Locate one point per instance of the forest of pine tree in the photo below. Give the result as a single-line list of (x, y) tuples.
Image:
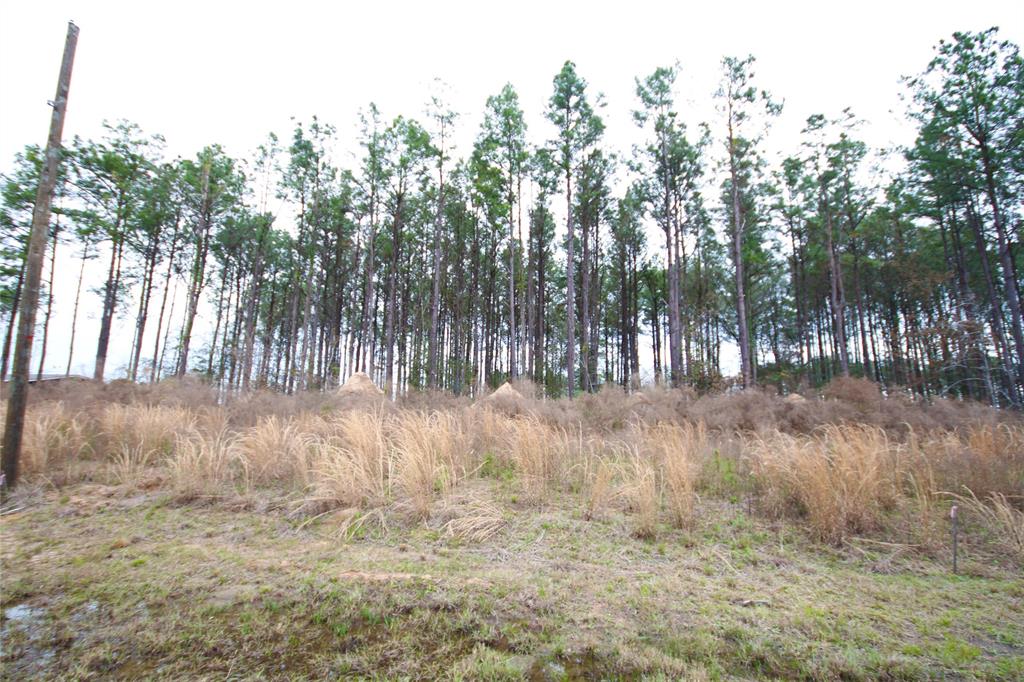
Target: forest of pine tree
[(560, 260)]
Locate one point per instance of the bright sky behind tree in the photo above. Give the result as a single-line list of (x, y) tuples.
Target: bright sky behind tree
[(229, 73)]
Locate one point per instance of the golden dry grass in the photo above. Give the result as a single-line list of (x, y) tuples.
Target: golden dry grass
[(432, 453), (840, 478), (599, 474), (1000, 517), (203, 463), (641, 490), (681, 450), (276, 449), (151, 427), (644, 453), (55, 439), (353, 465), (538, 452)]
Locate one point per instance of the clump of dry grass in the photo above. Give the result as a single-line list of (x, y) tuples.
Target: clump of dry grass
[(680, 450), (54, 440), (203, 463), (923, 493), (274, 450), (432, 453), (1000, 517), (477, 521), (489, 430), (537, 451), (840, 479), (994, 458), (143, 426), (984, 457), (598, 476), (641, 491), (353, 466), (128, 464)]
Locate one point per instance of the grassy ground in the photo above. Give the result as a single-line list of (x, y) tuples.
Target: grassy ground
[(98, 582)]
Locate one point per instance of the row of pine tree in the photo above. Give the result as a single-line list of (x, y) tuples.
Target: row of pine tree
[(533, 259)]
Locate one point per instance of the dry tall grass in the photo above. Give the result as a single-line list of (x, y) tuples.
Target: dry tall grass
[(854, 462), (538, 452), (130, 462), (680, 450), (432, 453), (923, 502), (840, 478), (55, 440), (203, 463), (274, 450), (641, 489), (599, 474), (1000, 517), (353, 465), (148, 427)]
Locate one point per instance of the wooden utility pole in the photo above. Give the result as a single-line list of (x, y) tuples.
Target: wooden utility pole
[(34, 267)]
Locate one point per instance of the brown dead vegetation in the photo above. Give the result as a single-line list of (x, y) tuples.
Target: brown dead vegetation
[(851, 462)]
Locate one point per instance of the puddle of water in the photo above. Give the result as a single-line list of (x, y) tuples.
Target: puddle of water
[(582, 666), (22, 614), (23, 630), (84, 612)]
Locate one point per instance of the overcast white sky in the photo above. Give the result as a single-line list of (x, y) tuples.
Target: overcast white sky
[(205, 72)]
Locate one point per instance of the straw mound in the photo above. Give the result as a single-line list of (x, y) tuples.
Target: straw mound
[(506, 399), (360, 383), (504, 392)]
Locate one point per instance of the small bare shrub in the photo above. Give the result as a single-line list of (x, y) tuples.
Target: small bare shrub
[(605, 410), (658, 403), (753, 410), (860, 392), (431, 400), (190, 391)]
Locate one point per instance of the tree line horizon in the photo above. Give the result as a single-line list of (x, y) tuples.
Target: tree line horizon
[(429, 271)]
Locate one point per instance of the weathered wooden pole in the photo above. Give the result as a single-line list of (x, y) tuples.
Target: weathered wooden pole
[(956, 532), (18, 395)]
